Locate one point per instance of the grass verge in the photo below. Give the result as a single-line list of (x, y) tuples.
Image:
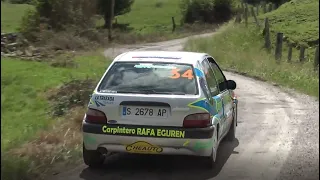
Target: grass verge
[(30, 134), (11, 15), (240, 49)]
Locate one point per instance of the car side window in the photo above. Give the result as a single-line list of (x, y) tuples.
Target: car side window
[(212, 83), (221, 80)]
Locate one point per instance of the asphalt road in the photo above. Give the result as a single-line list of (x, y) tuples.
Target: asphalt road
[(277, 138)]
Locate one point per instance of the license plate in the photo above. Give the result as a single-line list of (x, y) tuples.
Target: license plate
[(149, 112)]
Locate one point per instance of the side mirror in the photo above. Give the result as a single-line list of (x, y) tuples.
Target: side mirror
[(232, 85)]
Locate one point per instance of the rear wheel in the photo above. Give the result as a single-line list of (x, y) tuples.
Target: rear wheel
[(209, 162), (92, 158), (232, 131)]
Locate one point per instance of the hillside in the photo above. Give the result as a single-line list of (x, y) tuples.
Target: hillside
[(298, 20), (157, 20), (159, 13), (240, 49), (11, 15)]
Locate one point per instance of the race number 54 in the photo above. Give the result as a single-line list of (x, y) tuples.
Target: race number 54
[(176, 74)]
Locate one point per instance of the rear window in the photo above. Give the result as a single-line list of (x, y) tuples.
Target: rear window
[(150, 78)]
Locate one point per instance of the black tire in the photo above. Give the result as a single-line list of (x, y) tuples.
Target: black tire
[(208, 162), (231, 136), (92, 158)]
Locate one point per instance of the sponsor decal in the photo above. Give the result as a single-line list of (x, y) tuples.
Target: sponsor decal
[(203, 104), (186, 143), (148, 65), (104, 98), (158, 57), (203, 145), (143, 148), (148, 132), (199, 144), (101, 100), (88, 139), (198, 72)]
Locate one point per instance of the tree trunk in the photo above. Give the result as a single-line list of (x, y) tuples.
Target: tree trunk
[(106, 20), (110, 19)]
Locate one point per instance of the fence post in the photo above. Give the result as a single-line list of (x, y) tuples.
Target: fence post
[(270, 8), (242, 7), (252, 11), (316, 58), (267, 41), (255, 17), (302, 51), (264, 6), (173, 24), (246, 7), (278, 53), (238, 17), (290, 52), (246, 15)]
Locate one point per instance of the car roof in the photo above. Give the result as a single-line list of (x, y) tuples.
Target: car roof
[(161, 56)]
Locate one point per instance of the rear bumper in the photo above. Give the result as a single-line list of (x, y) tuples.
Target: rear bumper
[(147, 139)]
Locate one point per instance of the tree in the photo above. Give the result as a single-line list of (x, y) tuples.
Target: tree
[(120, 7), (278, 2)]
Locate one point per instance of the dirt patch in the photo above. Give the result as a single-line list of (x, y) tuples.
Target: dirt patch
[(72, 94)]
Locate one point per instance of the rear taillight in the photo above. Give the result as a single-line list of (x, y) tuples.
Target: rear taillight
[(95, 117), (199, 120)]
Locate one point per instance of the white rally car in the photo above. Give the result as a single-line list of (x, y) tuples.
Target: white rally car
[(160, 102)]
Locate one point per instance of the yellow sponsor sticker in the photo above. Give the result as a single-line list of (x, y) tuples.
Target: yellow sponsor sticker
[(143, 148), (148, 132)]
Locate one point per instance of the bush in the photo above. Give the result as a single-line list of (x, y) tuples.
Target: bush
[(30, 25), (120, 7), (207, 11), (22, 1), (276, 2), (58, 15)]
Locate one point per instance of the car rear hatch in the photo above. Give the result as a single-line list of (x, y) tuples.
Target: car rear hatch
[(153, 110), (154, 94)]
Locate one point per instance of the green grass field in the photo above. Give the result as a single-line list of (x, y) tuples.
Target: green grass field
[(148, 16), (298, 20), (24, 108), (241, 49), (11, 15)]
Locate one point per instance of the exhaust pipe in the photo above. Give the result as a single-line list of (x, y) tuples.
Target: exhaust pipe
[(103, 150)]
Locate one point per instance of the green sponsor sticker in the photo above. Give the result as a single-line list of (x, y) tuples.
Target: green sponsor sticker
[(89, 139)]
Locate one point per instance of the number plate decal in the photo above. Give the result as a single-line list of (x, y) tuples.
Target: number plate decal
[(147, 112)]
